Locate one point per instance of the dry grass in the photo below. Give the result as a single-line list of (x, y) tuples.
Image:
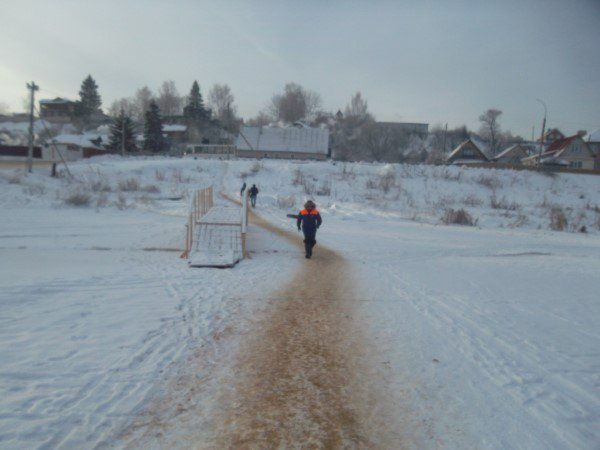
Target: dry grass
[(151, 189), (489, 181), (159, 175), (387, 181), (129, 185), (78, 198), (503, 203), (558, 219), (121, 202), (458, 217), (472, 200)]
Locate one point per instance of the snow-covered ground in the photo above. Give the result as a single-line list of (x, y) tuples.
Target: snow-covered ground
[(486, 336)]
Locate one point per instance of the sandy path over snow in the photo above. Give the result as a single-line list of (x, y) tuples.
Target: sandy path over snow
[(295, 375)]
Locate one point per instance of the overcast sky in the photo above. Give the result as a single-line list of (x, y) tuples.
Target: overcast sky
[(417, 61)]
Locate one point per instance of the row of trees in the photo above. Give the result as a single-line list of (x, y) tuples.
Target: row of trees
[(123, 127), (355, 132), (221, 109)]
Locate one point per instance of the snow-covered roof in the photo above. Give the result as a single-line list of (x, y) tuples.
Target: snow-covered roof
[(510, 150), (594, 136), (174, 127), (82, 140), (288, 139), (55, 101), (456, 151)]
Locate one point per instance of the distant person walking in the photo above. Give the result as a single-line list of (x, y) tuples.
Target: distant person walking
[(253, 194), (243, 189), (309, 220)]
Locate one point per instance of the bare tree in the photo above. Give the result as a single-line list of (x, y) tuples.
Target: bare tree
[(141, 103), (296, 103), (123, 104), (356, 112), (4, 109), (220, 99), (490, 128), (168, 100), (261, 119)]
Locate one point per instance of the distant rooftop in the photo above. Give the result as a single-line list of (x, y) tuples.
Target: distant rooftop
[(284, 139)]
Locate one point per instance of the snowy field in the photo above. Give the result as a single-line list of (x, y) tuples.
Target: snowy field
[(482, 337)]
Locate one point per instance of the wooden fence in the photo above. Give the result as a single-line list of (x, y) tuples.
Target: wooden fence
[(202, 201)]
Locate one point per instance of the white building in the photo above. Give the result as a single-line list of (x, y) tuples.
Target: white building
[(294, 142)]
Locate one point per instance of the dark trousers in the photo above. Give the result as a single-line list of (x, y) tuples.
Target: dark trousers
[(309, 240), (253, 200)]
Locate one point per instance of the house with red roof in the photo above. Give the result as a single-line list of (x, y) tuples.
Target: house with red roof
[(570, 151)]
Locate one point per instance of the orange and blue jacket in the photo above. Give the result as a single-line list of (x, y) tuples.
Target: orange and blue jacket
[(310, 220)]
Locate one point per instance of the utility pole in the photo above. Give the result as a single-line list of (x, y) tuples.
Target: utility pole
[(539, 161), (32, 87)]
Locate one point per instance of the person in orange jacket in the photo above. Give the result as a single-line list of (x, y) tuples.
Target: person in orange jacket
[(309, 220)]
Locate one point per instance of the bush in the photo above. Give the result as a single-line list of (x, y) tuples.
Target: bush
[(78, 199), (121, 202), (491, 182), (503, 204), (159, 175), (387, 181), (129, 185), (458, 217), (100, 186), (472, 200), (558, 219)]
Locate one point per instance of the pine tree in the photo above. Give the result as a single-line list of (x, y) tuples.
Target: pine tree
[(195, 111), (122, 126), (154, 140), (87, 109)]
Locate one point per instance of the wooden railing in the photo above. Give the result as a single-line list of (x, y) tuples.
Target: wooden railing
[(201, 202)]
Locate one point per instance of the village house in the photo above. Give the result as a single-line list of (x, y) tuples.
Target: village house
[(57, 110), (72, 147), (593, 141), (467, 152), (512, 155), (292, 142), (553, 134), (175, 133), (572, 152)]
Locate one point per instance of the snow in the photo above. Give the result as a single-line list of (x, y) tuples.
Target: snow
[(174, 127), (82, 140), (481, 337)]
